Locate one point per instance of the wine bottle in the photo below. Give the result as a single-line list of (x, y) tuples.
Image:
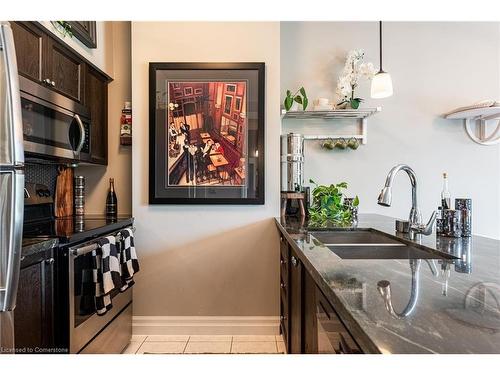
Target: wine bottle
[(111, 202), (445, 194)]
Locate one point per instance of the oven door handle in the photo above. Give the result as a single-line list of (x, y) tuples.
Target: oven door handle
[(84, 250), (82, 133)]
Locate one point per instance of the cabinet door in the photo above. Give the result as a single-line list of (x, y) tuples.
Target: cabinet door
[(332, 335), (309, 327), (33, 316), (64, 70), (284, 281), (96, 100), (29, 44), (295, 291)]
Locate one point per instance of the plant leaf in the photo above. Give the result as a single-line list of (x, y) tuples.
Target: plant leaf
[(305, 103), (303, 92), (298, 99), (354, 103), (355, 202), (288, 93), (288, 103)]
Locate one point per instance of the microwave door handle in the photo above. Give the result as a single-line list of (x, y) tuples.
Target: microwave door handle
[(13, 241), (82, 134), (7, 48)]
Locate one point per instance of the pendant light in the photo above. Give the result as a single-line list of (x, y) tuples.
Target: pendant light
[(381, 82)]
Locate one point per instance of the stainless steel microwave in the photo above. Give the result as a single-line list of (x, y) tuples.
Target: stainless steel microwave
[(54, 126)]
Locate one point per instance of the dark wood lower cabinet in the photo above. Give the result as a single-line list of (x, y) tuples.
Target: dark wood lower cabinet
[(295, 291), (34, 313), (309, 323)]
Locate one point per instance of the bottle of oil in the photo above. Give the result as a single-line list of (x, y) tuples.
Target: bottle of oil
[(445, 194), (111, 202)]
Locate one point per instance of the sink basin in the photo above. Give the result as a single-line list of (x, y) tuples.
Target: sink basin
[(355, 237), (369, 244), (384, 252)]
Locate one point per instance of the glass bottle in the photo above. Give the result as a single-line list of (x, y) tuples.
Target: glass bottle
[(445, 194), (111, 202)]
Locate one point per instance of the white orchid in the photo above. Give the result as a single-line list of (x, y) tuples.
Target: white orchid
[(353, 70)]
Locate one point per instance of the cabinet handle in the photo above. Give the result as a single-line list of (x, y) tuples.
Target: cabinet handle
[(294, 261), (49, 261), (281, 238), (282, 318), (53, 84), (282, 285), (47, 81), (282, 261)]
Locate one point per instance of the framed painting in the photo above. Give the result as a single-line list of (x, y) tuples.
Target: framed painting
[(208, 148)]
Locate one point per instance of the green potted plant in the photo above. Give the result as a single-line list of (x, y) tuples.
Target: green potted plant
[(300, 97), (329, 206)]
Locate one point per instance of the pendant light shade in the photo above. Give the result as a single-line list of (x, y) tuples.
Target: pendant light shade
[(381, 82), (381, 85)]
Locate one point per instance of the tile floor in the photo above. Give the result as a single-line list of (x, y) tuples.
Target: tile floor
[(205, 344)]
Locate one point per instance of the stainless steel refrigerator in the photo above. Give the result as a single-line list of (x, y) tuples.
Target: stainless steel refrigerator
[(11, 186)]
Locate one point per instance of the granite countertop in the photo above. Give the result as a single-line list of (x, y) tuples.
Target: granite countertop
[(35, 245), (457, 310)]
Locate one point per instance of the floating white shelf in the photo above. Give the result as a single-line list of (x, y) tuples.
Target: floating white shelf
[(479, 114), (338, 114)]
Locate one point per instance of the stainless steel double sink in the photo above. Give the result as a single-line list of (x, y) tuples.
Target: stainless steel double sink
[(372, 244)]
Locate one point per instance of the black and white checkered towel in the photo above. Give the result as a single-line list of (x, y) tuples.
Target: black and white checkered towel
[(106, 273), (128, 259)]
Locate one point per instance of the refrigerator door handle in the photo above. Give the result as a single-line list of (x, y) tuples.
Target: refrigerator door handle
[(13, 97), (12, 245)]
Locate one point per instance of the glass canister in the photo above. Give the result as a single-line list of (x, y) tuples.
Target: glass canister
[(464, 205), (452, 223), (292, 162)]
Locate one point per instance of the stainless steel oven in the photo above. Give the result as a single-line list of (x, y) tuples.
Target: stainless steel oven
[(53, 126), (86, 327)]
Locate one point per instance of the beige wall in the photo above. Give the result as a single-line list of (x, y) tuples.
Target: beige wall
[(205, 260), (119, 157), (435, 67)]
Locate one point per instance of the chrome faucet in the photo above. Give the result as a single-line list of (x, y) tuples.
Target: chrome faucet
[(415, 219)]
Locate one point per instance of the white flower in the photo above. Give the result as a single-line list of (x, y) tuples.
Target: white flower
[(367, 70), (353, 70)]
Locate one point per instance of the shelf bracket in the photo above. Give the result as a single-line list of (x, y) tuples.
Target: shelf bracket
[(482, 139)]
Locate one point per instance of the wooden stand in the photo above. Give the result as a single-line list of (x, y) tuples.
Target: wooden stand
[(286, 196)]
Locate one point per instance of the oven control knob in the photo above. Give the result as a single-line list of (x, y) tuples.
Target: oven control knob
[(40, 192), (46, 193)]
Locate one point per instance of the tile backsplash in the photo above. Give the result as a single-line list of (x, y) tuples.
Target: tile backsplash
[(42, 174)]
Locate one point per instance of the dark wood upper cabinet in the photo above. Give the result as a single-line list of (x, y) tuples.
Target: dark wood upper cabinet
[(47, 60), (64, 70), (85, 32), (96, 98), (34, 313), (29, 50)]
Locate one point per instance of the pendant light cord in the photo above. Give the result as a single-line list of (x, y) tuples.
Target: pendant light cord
[(380, 38)]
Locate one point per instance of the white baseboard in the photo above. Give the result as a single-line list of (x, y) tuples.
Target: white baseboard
[(205, 325)]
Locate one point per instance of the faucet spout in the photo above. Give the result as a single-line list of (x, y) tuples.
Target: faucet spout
[(385, 197)]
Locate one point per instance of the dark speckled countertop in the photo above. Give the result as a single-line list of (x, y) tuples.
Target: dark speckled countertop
[(457, 309), (37, 244)]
